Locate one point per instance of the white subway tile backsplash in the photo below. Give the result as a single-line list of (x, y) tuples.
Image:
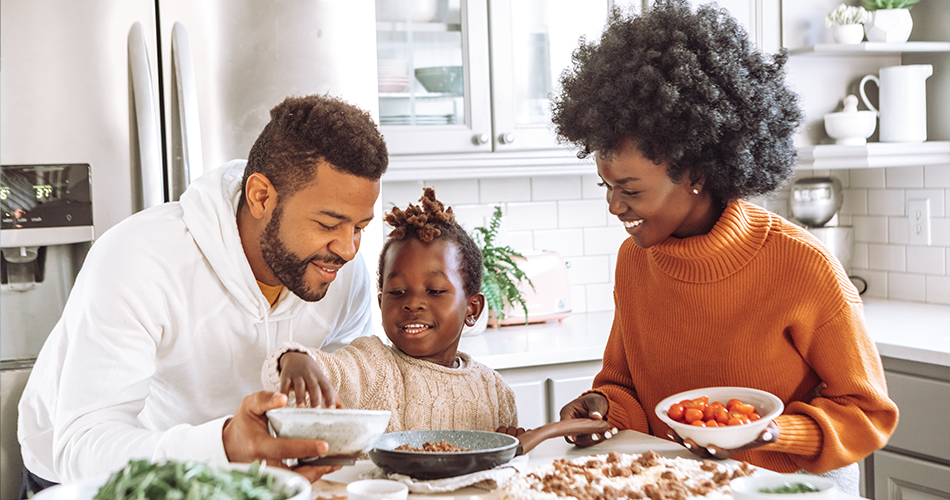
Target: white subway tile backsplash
[(901, 286), (590, 189), (854, 202), (613, 267), (401, 193), (904, 177), (600, 297), (937, 177), (567, 242), (588, 270), (877, 284), (503, 190), (867, 178), (938, 289), (897, 230), (887, 257), (940, 232), (886, 202), (531, 215), (581, 213), (926, 260), (521, 241), (455, 191), (860, 258), (578, 298), (603, 241), (935, 196), (870, 229), (556, 188), (472, 216)]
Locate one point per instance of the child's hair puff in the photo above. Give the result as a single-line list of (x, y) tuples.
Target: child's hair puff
[(426, 222)]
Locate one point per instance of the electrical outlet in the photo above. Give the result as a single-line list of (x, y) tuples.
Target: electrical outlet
[(918, 221)]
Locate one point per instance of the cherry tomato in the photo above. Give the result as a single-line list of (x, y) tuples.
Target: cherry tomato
[(732, 402), (754, 416), (693, 414), (709, 413), (744, 408), (698, 423), (734, 421), (722, 416), (704, 399), (712, 423), (741, 417), (676, 412), (699, 404)]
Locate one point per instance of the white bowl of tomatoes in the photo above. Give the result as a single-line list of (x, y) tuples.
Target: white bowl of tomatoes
[(727, 417)]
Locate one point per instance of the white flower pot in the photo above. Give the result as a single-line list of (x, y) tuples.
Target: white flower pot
[(848, 33), (889, 25)]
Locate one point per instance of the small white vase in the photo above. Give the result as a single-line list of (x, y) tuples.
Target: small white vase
[(889, 25), (848, 33)]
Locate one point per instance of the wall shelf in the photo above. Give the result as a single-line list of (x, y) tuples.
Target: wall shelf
[(874, 155), (869, 49)]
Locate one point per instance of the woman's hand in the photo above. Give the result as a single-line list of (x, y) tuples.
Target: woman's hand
[(591, 405), (300, 374), (769, 435)]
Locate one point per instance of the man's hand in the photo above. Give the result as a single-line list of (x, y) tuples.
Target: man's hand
[(301, 375), (246, 437)]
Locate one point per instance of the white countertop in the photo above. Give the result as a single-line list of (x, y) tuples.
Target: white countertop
[(631, 442), (905, 330)]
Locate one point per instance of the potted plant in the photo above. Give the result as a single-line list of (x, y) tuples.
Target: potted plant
[(890, 20), (847, 23), (500, 274)]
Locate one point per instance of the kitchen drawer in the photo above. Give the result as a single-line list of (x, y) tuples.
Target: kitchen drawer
[(528, 385), (924, 416), (897, 477)]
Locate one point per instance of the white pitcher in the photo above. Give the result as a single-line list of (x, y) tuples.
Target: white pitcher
[(903, 102)]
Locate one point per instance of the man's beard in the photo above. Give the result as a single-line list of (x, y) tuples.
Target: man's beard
[(289, 269)]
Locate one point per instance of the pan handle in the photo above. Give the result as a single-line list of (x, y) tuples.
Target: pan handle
[(572, 427)]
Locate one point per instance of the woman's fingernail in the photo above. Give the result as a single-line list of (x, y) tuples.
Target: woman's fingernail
[(569, 439), (594, 437), (688, 447), (671, 437), (596, 413), (767, 436), (614, 430), (711, 450), (607, 435)]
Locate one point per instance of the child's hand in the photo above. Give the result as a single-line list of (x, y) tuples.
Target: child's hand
[(511, 431), (301, 375)]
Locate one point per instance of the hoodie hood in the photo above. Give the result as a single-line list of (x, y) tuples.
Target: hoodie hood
[(209, 207)]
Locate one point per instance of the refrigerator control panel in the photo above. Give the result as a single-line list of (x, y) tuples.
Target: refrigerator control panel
[(37, 196)]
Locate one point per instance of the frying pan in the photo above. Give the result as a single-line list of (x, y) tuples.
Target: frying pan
[(485, 449)]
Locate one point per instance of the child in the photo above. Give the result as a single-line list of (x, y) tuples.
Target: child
[(430, 273)]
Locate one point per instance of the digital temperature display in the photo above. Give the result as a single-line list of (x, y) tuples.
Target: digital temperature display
[(45, 196)]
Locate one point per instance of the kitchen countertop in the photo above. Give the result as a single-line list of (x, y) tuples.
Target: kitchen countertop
[(905, 330), (631, 442)]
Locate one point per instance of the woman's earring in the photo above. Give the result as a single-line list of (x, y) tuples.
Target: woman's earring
[(470, 320), (695, 191)]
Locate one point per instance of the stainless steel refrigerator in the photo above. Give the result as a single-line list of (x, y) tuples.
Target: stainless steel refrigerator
[(138, 97)]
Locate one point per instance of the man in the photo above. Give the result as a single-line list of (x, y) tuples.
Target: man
[(176, 307)]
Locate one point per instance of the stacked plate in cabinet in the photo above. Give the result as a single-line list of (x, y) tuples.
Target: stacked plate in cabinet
[(393, 75)]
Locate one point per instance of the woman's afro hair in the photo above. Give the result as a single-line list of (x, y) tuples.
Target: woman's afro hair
[(427, 222), (690, 89), (304, 131)]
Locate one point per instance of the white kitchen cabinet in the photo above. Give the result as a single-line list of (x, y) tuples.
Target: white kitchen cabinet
[(899, 477), (542, 390), (510, 53)]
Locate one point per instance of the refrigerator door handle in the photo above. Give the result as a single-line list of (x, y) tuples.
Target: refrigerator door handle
[(147, 188), (186, 132)]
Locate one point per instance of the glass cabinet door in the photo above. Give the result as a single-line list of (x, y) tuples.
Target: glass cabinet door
[(433, 75), (531, 44)]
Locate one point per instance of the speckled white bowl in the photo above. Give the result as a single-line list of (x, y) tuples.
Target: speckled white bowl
[(748, 487), (768, 406), (348, 432)]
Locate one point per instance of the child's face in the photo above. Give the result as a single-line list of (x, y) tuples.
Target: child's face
[(423, 300)]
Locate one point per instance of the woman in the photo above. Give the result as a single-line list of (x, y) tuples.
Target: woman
[(685, 120)]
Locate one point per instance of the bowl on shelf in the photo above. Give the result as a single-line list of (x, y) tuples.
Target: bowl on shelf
[(349, 433), (767, 406), (783, 487), (850, 127), (441, 79)]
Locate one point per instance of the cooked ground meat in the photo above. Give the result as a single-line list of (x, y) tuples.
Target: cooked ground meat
[(443, 446)]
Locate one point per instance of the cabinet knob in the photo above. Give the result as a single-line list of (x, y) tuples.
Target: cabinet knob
[(481, 139), (506, 138)]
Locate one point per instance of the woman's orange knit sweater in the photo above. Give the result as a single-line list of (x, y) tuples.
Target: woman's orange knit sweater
[(757, 302)]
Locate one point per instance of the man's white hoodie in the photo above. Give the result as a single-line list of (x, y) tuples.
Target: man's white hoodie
[(163, 334)]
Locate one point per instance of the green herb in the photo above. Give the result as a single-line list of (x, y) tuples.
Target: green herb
[(887, 4), (172, 480), (500, 273), (791, 488)]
